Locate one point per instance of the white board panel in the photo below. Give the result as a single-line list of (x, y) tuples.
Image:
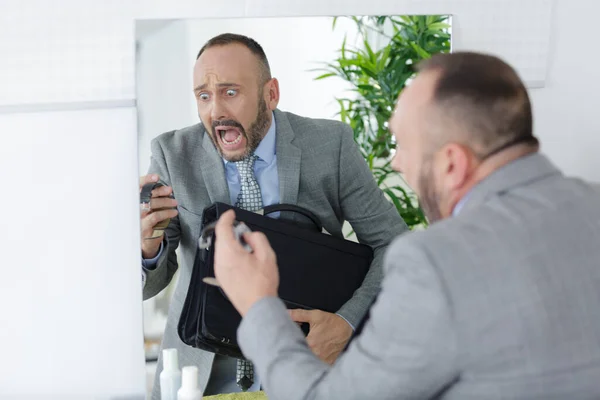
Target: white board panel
[(70, 288), (70, 51), (79, 50)]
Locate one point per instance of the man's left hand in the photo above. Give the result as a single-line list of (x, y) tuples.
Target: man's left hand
[(328, 333)]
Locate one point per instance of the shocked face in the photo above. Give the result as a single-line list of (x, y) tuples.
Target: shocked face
[(231, 99)]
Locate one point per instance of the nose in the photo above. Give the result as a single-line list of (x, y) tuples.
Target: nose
[(218, 110)]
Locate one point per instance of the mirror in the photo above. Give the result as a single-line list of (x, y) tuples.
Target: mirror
[(348, 68)]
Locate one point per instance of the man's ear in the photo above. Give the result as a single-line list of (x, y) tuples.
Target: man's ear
[(271, 93), (454, 164)]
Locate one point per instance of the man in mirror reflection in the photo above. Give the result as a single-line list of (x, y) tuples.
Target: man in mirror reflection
[(246, 152), (499, 298)]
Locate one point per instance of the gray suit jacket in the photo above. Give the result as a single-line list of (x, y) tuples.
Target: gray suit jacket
[(499, 302), (319, 167)]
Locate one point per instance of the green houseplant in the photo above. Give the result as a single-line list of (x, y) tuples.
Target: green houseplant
[(377, 70)]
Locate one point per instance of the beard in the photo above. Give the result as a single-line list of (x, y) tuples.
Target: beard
[(428, 194), (256, 131)]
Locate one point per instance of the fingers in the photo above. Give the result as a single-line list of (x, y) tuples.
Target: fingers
[(300, 315), (260, 245), (313, 344), (159, 216), (159, 203), (154, 218), (148, 179), (162, 191), (224, 229), (160, 198)]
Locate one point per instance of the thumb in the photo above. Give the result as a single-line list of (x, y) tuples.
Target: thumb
[(300, 315), (224, 230), (148, 179), (260, 244)]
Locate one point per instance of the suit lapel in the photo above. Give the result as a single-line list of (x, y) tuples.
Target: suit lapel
[(213, 171), (517, 173), (288, 160)]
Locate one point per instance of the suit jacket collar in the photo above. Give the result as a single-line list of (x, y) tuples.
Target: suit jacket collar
[(288, 160), (516, 173)]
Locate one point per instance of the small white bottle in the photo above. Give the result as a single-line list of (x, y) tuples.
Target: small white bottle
[(189, 387), (170, 377)]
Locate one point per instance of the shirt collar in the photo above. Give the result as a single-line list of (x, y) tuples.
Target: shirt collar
[(460, 205), (267, 146)]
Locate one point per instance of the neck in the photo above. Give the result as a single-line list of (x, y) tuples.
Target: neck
[(485, 168)]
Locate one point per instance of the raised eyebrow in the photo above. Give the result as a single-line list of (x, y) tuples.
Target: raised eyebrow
[(219, 85)]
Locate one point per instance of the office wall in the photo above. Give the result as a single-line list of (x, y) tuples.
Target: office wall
[(163, 85), (566, 109), (70, 310)]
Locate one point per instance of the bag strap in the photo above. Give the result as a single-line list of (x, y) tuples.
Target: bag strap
[(293, 208)]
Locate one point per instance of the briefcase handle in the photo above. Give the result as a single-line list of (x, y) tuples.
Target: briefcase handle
[(293, 208)]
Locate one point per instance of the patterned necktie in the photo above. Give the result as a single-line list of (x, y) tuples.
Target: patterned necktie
[(249, 199)]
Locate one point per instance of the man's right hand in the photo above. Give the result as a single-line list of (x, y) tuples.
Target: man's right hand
[(162, 207)]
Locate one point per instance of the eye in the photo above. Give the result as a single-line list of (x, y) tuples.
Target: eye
[(231, 92), (203, 96)]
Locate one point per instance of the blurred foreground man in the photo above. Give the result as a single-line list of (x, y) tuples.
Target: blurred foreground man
[(498, 299)]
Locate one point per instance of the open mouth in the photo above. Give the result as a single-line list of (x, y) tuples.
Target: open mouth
[(229, 135)]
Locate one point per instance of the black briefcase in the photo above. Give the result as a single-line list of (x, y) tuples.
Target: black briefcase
[(317, 271)]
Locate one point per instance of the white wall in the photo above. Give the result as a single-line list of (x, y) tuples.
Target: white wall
[(163, 86), (70, 293), (566, 109)]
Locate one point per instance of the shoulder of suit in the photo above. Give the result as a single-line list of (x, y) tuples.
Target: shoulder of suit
[(439, 240), (315, 127), (181, 137)]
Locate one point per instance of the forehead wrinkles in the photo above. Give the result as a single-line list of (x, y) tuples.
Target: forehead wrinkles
[(209, 78)]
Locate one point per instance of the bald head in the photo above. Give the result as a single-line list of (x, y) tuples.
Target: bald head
[(479, 100), (254, 48)]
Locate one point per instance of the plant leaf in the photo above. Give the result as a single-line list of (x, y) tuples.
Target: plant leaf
[(376, 79), (327, 75)]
